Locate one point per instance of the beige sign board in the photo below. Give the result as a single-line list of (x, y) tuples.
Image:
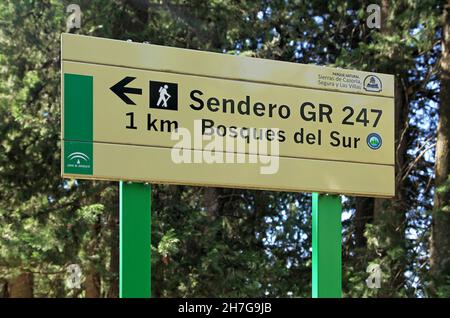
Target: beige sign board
[(123, 102)]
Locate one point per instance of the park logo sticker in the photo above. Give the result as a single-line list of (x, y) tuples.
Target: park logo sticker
[(374, 141), (372, 84), (163, 95)]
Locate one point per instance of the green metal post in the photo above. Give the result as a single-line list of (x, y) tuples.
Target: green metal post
[(135, 240), (326, 246)]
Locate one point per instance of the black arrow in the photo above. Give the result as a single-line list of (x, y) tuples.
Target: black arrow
[(120, 90)]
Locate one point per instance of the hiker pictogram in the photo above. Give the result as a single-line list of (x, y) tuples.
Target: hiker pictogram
[(163, 96)]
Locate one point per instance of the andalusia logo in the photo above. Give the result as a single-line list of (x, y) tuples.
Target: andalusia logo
[(78, 160)]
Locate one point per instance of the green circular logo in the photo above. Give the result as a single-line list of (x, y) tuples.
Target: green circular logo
[(374, 141)]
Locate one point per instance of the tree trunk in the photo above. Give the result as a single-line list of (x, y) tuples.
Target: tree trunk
[(364, 206), (211, 202), (92, 284), (363, 215), (22, 286), (440, 228), (390, 214), (4, 289), (113, 291)]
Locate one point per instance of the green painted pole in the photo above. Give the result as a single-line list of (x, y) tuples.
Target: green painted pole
[(326, 246), (135, 240)]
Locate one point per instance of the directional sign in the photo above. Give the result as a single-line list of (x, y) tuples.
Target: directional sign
[(143, 112), (121, 90)]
